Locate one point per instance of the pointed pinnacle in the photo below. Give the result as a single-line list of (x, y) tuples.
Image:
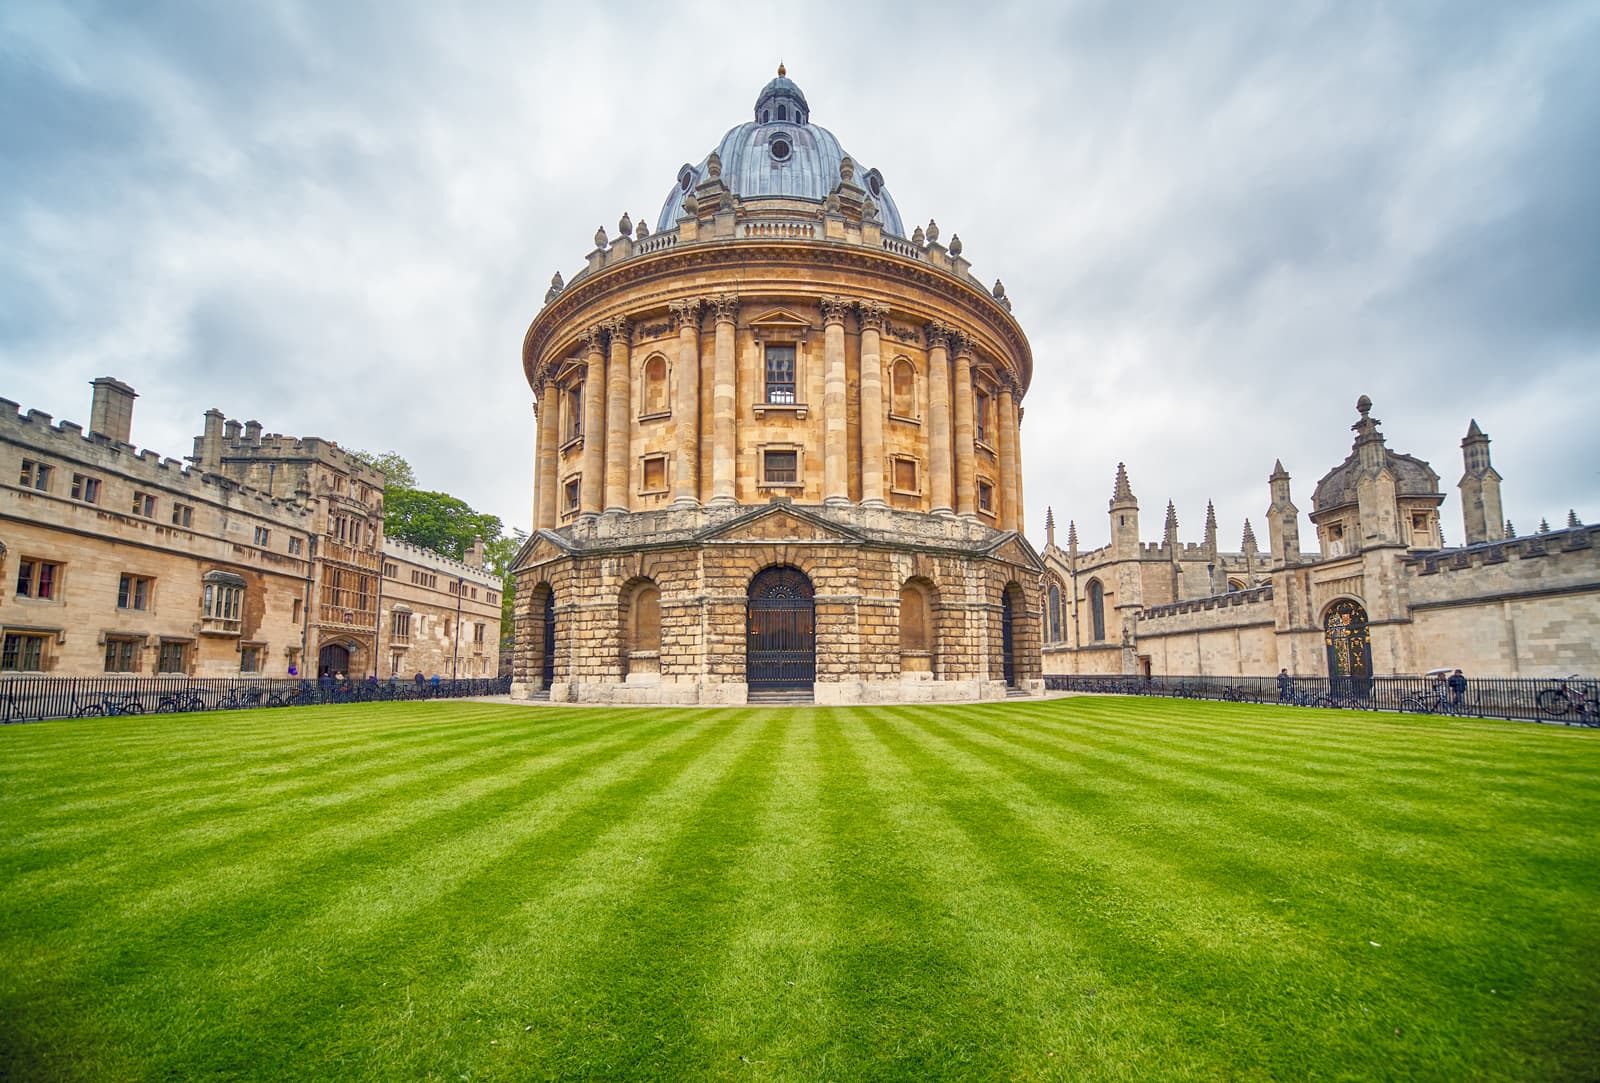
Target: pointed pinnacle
[(1072, 533), (1249, 542), (1122, 490), (1211, 516)]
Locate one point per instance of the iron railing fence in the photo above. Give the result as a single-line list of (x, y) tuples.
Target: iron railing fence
[(1572, 700), (26, 699)]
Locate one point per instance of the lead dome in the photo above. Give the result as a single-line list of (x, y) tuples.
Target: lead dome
[(780, 154)]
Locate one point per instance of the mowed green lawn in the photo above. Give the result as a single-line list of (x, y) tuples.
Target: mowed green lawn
[(1089, 888)]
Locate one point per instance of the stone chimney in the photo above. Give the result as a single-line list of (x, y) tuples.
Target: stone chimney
[(208, 445), (252, 433), (111, 414), (475, 554)]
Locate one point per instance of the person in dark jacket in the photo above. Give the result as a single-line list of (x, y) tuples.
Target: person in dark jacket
[(1458, 689), (1285, 686)]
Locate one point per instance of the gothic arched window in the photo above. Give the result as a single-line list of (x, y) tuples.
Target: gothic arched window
[(1097, 609)]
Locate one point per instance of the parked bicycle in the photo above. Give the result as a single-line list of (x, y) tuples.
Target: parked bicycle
[(239, 698), (1572, 696), (110, 703), (1436, 701), (186, 700), (1239, 693)]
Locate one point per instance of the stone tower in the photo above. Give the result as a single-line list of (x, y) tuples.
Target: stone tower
[(1480, 490), (1283, 521), (1124, 518)]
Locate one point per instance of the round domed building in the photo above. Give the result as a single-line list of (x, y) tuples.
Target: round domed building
[(778, 449)]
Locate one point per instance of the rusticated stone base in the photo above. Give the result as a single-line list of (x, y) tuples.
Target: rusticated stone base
[(703, 560)]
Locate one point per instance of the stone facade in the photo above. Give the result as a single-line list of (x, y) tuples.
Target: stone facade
[(1383, 595), (776, 347), (265, 552)]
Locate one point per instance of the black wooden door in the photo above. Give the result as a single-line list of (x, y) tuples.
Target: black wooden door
[(1007, 665), (548, 663), (780, 644)]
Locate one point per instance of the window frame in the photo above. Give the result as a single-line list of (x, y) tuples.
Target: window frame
[(764, 479), (985, 497), (915, 416), (39, 580), (645, 462), (664, 409), (13, 651), (182, 646), (86, 488), (130, 647), (144, 504), (182, 515), (135, 592), (895, 462), (35, 474)]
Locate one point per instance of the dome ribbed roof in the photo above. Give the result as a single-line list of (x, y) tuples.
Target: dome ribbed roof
[(1413, 477), (779, 154)]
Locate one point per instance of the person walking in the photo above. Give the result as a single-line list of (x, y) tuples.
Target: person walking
[(1285, 686), (1458, 690)]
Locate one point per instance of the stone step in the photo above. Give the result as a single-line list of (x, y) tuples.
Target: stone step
[(787, 697)]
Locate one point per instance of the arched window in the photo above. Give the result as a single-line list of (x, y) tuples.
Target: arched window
[(783, 112), (641, 627), (653, 395), (1053, 614), (1097, 609), (903, 389), (1234, 584), (916, 628)]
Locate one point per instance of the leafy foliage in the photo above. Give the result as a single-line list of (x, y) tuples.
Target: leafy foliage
[(396, 470), (437, 521)]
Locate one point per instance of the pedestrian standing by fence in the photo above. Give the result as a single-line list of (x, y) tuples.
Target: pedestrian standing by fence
[(1285, 686), (1458, 689)]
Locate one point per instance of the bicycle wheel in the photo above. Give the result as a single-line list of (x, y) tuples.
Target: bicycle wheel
[(1554, 701)]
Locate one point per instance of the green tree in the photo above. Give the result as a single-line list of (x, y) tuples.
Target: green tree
[(396, 470), (437, 521)]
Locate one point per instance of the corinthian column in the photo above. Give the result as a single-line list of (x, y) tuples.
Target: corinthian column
[(966, 464), (592, 490), (686, 474), (725, 308), (872, 317), (939, 417), (1010, 470), (836, 456), (619, 381), (545, 512)]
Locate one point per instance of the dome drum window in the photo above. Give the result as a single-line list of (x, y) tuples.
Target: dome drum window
[(780, 148)]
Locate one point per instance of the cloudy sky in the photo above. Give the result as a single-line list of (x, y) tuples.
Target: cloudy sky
[(1219, 223)]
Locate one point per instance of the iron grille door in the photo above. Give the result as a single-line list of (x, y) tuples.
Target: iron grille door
[(549, 663), (1007, 667), (780, 644)]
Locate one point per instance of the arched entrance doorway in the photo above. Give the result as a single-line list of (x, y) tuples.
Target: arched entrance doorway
[(780, 622), (333, 660), (1008, 665), (547, 662), (1349, 644)]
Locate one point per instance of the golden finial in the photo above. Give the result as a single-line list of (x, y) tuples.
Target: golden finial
[(781, 72)]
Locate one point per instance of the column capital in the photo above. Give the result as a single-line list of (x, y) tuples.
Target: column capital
[(619, 329), (724, 307), (685, 313), (961, 345), (593, 339), (833, 309), (872, 316), (938, 334)]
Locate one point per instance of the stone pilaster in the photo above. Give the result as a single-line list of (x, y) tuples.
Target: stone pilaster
[(1010, 465), (836, 455), (547, 510), (872, 318), (592, 490), (686, 474), (939, 479), (619, 385), (966, 465), (724, 409)]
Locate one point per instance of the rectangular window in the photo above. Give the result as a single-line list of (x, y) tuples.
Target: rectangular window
[(474, 592), (390, 571), (455, 588), (985, 497), (574, 406), (122, 655), (173, 657), (571, 492), (780, 374), (294, 611), (263, 536), (22, 652), (905, 475), (980, 417), (780, 467), (494, 597), (144, 505), (655, 475), (401, 626), (477, 634), (35, 475), (37, 579), (223, 602), (250, 658), (182, 515), (133, 592), (296, 546), (86, 488)]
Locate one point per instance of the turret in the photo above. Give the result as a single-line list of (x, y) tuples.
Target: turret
[(1248, 547), (1124, 518), (1480, 489), (1283, 521), (1375, 482)]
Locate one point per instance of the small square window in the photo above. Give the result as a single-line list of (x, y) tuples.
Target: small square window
[(263, 536), (134, 591), (571, 491), (780, 467), (122, 655), (250, 658), (182, 515), (86, 488), (22, 652), (985, 497), (144, 505), (35, 475), (173, 657), (904, 479), (38, 579), (1419, 521), (298, 546)]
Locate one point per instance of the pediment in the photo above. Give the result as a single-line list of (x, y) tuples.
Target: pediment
[(780, 321), (781, 523), (1016, 550), (538, 549)]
